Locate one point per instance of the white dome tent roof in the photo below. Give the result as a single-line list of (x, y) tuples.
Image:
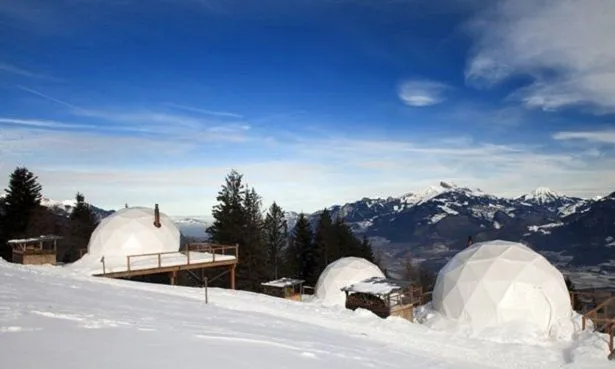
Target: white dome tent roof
[(341, 273), (131, 231), (500, 283)]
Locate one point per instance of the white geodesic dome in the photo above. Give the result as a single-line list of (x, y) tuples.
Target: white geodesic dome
[(131, 231), (341, 273), (500, 283)]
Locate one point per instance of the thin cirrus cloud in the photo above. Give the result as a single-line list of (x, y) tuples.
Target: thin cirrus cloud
[(147, 121), (358, 167), (422, 93), (205, 111), (605, 136), (570, 60), (19, 71)]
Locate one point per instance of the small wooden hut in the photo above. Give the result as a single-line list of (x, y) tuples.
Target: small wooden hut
[(287, 288), (35, 250), (384, 297)]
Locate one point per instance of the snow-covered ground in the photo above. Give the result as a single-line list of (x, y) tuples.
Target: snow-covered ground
[(52, 317)]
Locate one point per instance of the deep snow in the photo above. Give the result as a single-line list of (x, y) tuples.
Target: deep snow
[(52, 317)]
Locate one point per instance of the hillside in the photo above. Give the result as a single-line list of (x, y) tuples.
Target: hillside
[(50, 318)]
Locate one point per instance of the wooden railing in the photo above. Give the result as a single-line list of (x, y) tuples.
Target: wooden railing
[(603, 319), (213, 249)]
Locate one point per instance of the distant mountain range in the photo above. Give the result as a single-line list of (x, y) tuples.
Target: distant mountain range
[(66, 207), (578, 235), (431, 226)]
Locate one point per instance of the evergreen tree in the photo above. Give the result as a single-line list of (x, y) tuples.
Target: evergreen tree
[(229, 214), (238, 220), (346, 243), (23, 196), (82, 222), (252, 270), (324, 243), (276, 238), (305, 258), (43, 221)]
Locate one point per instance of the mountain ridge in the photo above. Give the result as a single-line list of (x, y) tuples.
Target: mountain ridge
[(432, 225)]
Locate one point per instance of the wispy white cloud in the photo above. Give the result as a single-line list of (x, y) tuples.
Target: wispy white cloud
[(23, 72), (171, 126), (187, 175), (51, 98), (421, 93), (565, 46), (8, 68), (43, 123), (605, 136), (204, 111)]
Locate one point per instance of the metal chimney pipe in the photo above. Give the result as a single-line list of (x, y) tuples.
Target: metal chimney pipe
[(157, 217)]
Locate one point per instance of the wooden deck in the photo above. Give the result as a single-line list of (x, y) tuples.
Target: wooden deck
[(190, 258)]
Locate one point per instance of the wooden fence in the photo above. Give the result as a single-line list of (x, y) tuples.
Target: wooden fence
[(213, 249), (603, 318)]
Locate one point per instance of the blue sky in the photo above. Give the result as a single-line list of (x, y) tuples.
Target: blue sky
[(315, 102)]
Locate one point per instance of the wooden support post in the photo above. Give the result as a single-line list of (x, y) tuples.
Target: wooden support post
[(128, 263), (233, 276), (174, 277), (159, 261), (206, 296)]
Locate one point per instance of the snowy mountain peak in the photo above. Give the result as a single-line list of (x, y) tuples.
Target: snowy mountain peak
[(542, 195), (430, 192), (544, 191), (47, 202)]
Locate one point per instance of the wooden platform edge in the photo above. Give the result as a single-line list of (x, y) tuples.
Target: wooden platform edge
[(167, 269)]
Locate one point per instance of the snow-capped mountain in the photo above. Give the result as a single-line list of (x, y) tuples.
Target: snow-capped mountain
[(435, 223), (193, 227), (437, 203), (541, 195), (65, 207)]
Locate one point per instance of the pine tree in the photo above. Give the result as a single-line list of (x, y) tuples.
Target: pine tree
[(229, 214), (324, 244), (346, 243), (82, 222), (22, 197), (276, 238), (252, 268), (43, 221), (305, 259), (238, 220)]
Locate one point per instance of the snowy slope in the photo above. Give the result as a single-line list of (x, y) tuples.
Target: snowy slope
[(74, 321), (65, 207)]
